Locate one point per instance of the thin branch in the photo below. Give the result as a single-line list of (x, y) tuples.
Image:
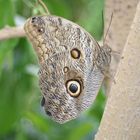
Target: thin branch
[(11, 32), (44, 6)]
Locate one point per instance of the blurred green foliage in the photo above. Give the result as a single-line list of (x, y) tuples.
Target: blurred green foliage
[(21, 117)]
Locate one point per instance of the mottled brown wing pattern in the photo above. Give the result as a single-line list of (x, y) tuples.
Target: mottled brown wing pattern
[(71, 65)]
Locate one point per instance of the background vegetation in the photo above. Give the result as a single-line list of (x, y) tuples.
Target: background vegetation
[(21, 117)]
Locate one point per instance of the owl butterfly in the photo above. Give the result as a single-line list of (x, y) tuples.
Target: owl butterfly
[(72, 65)]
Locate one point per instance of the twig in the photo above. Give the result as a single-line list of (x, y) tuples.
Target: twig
[(44, 6), (11, 32)]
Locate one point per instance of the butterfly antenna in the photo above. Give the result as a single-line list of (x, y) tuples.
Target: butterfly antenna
[(108, 28), (44, 6)]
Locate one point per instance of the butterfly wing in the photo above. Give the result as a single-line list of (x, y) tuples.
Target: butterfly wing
[(68, 77)]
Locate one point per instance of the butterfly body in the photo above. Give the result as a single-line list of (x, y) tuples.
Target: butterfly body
[(71, 66)]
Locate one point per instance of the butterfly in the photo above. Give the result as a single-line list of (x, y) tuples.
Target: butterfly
[(72, 65)]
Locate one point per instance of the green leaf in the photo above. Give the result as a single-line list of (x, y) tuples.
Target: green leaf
[(5, 48), (6, 13), (81, 131), (16, 85), (91, 17), (38, 121)]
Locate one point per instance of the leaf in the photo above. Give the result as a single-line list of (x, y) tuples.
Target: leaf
[(16, 85), (81, 131), (38, 121), (6, 13), (91, 18)]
